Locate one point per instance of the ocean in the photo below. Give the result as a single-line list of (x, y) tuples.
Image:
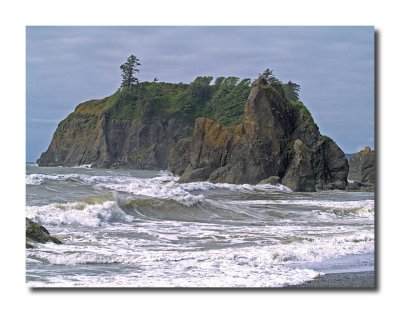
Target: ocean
[(127, 228)]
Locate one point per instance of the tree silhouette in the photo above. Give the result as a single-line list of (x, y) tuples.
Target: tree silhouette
[(128, 70)]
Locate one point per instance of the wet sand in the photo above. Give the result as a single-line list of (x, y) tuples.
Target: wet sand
[(357, 280)]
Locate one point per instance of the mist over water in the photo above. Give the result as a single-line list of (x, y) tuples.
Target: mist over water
[(125, 228)]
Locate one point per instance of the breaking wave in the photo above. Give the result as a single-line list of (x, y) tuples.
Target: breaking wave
[(78, 213), (149, 230), (165, 186)]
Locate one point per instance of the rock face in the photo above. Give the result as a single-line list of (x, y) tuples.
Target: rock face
[(276, 138), (362, 166), (137, 127), (37, 233), (103, 141)]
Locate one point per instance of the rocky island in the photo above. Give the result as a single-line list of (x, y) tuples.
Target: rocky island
[(362, 170), (231, 131)]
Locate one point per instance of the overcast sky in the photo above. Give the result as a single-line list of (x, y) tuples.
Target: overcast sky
[(333, 65)]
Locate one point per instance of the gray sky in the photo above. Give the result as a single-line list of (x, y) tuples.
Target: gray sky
[(333, 65)]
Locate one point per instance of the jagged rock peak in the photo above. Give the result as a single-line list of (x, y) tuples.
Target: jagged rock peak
[(277, 137)]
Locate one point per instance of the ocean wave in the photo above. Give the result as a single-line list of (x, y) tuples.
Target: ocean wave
[(34, 179), (309, 248), (163, 186), (269, 278), (247, 267), (331, 209), (31, 164), (78, 213), (359, 212), (317, 203), (254, 266), (156, 188), (83, 166), (168, 187)]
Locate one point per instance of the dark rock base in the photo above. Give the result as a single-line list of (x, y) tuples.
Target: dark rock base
[(37, 233)]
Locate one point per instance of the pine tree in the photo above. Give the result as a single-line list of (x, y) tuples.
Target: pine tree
[(128, 69), (292, 91)]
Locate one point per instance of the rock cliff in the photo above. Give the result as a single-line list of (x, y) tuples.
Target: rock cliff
[(362, 166), (103, 141), (277, 137), (137, 127), (127, 129)]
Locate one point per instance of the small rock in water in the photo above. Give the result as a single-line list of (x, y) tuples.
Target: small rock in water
[(37, 233)]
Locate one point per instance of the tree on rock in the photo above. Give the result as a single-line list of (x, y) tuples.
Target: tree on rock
[(268, 77), (292, 91), (266, 74), (128, 70)]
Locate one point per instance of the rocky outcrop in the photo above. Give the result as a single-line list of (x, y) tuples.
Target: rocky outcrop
[(137, 127), (104, 141), (37, 233), (276, 138), (154, 126), (362, 166), (362, 171)]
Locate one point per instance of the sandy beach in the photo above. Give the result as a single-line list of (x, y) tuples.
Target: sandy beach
[(356, 280)]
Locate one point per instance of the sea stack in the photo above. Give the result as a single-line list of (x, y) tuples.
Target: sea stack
[(277, 137), (362, 170), (232, 132)]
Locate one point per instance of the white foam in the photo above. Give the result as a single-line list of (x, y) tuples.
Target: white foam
[(269, 263), (32, 164), (317, 203), (232, 267), (279, 277), (83, 166), (167, 187), (234, 187), (314, 245), (34, 179), (164, 186), (78, 213), (78, 178), (332, 209)]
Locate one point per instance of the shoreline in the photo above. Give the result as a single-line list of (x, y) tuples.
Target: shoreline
[(353, 280)]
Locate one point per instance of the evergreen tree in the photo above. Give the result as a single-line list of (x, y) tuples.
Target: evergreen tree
[(292, 91), (268, 77), (128, 70)]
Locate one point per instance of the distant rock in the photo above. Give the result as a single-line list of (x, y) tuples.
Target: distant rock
[(362, 166), (276, 138), (37, 233), (359, 186)]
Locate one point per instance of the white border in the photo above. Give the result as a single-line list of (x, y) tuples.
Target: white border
[(15, 15)]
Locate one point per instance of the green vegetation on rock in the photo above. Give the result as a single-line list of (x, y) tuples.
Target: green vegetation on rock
[(303, 111), (222, 101)]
